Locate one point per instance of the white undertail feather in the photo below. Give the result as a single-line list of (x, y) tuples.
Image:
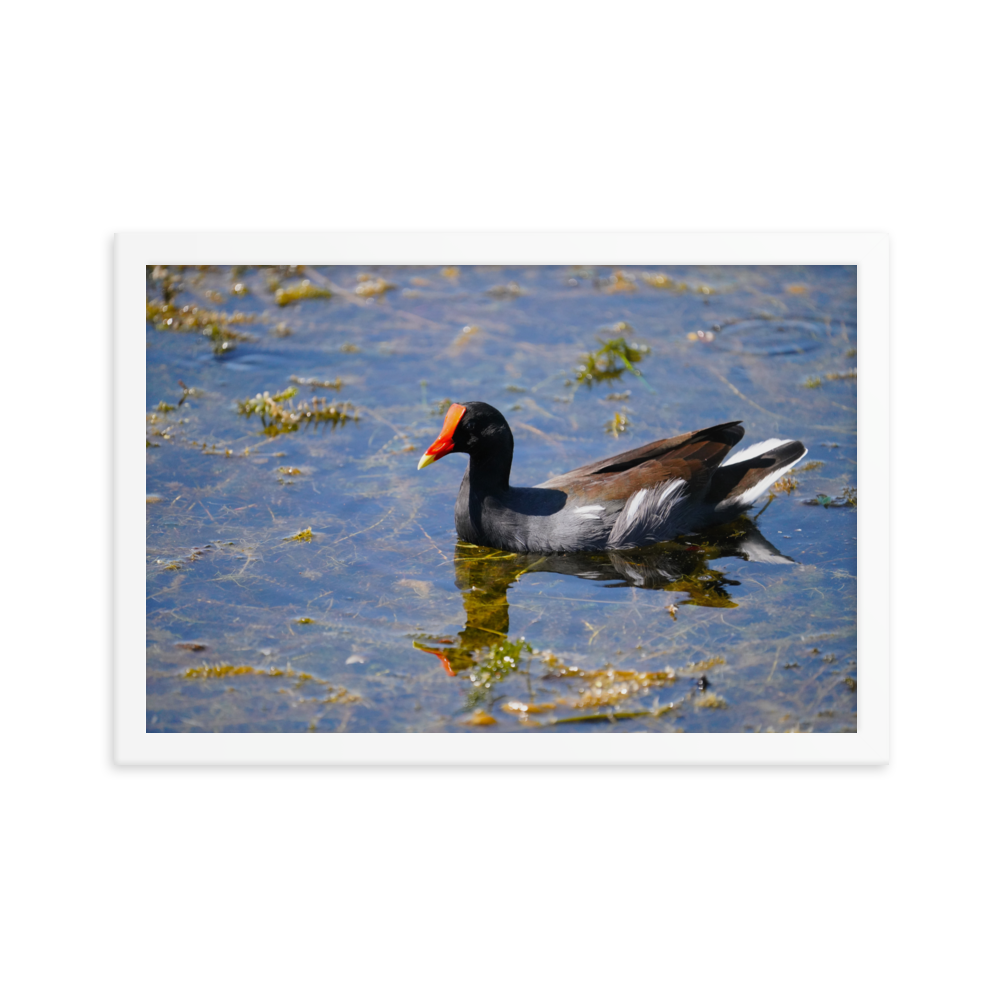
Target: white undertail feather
[(753, 450), (748, 497), (588, 512)]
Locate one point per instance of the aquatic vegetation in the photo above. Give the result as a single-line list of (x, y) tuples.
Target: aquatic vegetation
[(815, 381), (369, 288), (710, 700), (657, 280), (500, 659), (610, 361), (280, 419), (317, 383), (620, 281), (305, 535), (305, 289), (479, 717), (618, 424), (282, 330), (468, 332), (218, 327), (527, 708), (786, 484), (811, 466), (305, 621), (847, 498), (512, 290), (219, 670)]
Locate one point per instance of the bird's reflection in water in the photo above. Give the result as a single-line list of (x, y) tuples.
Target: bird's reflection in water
[(484, 575)]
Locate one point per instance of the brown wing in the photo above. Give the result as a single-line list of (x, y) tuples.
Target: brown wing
[(692, 457)]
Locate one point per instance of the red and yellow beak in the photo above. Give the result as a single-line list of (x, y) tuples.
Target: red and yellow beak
[(444, 442)]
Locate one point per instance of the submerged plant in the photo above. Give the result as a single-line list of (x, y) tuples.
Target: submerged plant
[(278, 418), (612, 359), (305, 289), (217, 326), (501, 659), (618, 424)]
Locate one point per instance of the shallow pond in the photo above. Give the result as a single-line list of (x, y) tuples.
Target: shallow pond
[(302, 575)]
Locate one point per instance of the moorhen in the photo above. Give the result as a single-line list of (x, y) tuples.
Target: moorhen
[(676, 486)]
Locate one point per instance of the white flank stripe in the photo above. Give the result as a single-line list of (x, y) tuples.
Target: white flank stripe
[(584, 510), (633, 506), (754, 450), (670, 488)]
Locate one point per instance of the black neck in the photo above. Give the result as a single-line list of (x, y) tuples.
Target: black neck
[(489, 474)]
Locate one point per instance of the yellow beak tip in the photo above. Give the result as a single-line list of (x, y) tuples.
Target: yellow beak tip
[(424, 462)]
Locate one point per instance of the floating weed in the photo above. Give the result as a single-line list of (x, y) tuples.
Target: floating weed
[(441, 405), (811, 466), (701, 666), (340, 696), (280, 419), (501, 659), (848, 498), (620, 281), (165, 407), (795, 289), (305, 535), (305, 289), (664, 282), (289, 470), (218, 670), (451, 273), (512, 290), (710, 700), (813, 382), (462, 340), (305, 621), (851, 683), (618, 424), (618, 397), (282, 330), (515, 388), (610, 361), (479, 718), (786, 484), (657, 280), (317, 383), (526, 708), (370, 288), (218, 327), (239, 289)]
